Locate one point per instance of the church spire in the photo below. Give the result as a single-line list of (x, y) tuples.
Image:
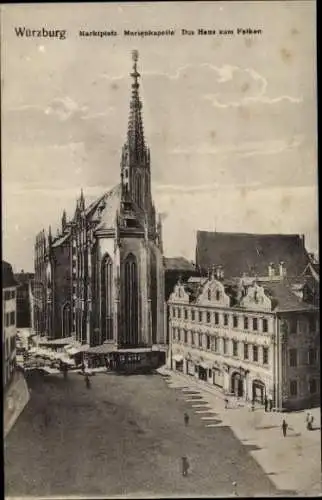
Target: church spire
[(135, 133)]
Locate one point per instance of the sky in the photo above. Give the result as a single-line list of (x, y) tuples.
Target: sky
[(230, 119)]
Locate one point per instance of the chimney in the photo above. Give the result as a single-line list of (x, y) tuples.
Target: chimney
[(282, 269), (271, 270)]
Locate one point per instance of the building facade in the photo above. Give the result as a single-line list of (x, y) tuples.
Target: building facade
[(24, 305), (9, 317), (101, 279), (252, 337)]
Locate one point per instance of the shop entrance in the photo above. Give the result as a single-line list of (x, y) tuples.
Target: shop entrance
[(237, 386), (258, 391), (203, 373)]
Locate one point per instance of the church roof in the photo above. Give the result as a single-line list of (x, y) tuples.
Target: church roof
[(105, 208), (60, 240), (240, 253)]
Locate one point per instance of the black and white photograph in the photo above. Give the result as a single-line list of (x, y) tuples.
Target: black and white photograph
[(160, 259)]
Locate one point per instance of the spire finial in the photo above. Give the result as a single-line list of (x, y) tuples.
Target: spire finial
[(135, 55)]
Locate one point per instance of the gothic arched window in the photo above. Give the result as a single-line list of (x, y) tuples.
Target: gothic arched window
[(209, 294), (66, 320), (131, 301), (106, 298)]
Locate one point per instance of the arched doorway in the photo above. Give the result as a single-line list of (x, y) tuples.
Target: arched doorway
[(66, 319), (237, 385), (258, 391)]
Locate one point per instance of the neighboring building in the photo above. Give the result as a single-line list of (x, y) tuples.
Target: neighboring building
[(175, 268), (23, 299), (249, 335), (101, 279), (9, 287), (251, 254)]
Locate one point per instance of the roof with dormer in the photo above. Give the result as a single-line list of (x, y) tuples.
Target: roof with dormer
[(240, 253)]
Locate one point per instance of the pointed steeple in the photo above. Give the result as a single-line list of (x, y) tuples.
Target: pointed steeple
[(135, 133), (64, 220), (82, 200)]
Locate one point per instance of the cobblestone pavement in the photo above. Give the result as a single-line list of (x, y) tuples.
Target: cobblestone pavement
[(123, 436), (15, 400), (293, 463)]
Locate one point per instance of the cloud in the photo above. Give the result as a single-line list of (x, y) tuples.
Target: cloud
[(64, 108), (244, 149)]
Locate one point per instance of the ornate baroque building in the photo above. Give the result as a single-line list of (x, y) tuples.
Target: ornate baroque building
[(252, 335), (101, 279)]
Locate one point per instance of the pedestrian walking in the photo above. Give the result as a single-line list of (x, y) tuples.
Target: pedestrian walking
[(284, 427), (253, 404), (226, 403), (186, 419), (87, 381), (266, 403), (185, 466), (310, 420), (270, 402)]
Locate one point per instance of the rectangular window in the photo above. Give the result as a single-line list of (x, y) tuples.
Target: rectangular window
[(235, 321), (215, 344), (208, 317), (245, 323), (181, 335), (255, 324), (235, 348), (174, 312), (192, 315), (7, 319), (208, 342), (225, 345), (179, 313), (185, 337), (293, 357), (7, 295), (225, 319), (293, 387), (265, 355), (245, 351), (255, 353), (185, 314), (12, 318), (313, 386), (265, 325), (312, 356), (216, 318), (200, 316), (192, 338), (200, 339)]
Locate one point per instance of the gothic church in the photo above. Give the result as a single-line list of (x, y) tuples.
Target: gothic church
[(101, 279)]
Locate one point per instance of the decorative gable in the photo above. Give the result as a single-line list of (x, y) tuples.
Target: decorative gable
[(179, 294), (256, 298), (213, 293)]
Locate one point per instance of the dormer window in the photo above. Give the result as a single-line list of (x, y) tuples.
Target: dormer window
[(217, 295), (209, 294)]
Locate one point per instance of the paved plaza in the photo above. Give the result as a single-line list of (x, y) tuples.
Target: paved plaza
[(293, 463), (123, 436)]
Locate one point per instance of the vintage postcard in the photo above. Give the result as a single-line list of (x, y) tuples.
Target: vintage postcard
[(160, 270)]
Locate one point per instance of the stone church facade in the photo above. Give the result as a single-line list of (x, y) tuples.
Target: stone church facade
[(101, 279)]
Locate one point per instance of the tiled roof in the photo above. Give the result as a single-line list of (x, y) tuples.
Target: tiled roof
[(109, 203), (240, 253), (8, 279), (285, 299), (178, 263)]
